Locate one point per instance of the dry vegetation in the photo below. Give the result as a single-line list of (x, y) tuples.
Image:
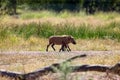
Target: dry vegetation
[(32, 44), (25, 63), (37, 40), (15, 29), (99, 19)]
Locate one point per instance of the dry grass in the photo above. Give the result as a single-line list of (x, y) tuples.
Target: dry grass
[(87, 20), (97, 44), (101, 59), (14, 43), (64, 17)]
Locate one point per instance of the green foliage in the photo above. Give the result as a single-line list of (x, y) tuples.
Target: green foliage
[(47, 14), (8, 6), (91, 6), (45, 30), (3, 33), (37, 14), (106, 15), (64, 69)]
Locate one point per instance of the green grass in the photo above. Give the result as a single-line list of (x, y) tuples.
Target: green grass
[(46, 14), (34, 36), (107, 15), (111, 31), (64, 14), (37, 14)]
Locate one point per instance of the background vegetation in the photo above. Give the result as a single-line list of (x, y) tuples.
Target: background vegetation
[(27, 24), (31, 30), (90, 6), (110, 31)]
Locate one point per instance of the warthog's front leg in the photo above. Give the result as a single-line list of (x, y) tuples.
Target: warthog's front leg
[(63, 47), (68, 47)]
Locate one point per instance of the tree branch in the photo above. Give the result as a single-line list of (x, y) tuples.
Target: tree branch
[(100, 68)]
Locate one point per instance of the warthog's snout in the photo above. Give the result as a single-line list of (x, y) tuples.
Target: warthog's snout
[(74, 42)]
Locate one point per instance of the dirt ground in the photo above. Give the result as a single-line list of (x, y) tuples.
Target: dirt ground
[(64, 55)]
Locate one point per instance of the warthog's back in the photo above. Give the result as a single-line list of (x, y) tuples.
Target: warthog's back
[(57, 39)]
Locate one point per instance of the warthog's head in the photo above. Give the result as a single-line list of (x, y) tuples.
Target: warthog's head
[(71, 40)]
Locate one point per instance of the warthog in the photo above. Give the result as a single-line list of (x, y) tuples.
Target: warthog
[(61, 40)]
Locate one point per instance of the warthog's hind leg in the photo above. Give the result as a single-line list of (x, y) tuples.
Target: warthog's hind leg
[(48, 46), (53, 46)]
